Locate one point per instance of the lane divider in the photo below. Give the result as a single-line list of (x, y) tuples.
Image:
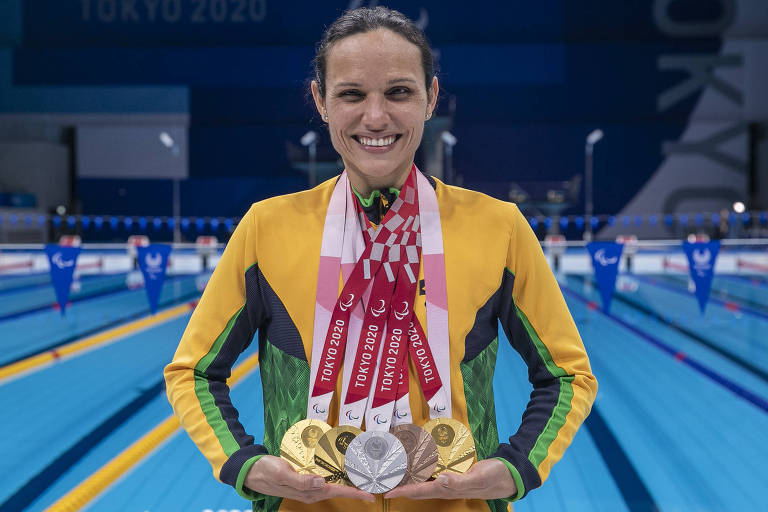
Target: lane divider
[(671, 323), (729, 305), (111, 472), (38, 361), (680, 357), (81, 298)]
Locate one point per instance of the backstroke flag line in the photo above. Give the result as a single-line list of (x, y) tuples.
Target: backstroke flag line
[(62, 262), (605, 261), (701, 263), (153, 260)]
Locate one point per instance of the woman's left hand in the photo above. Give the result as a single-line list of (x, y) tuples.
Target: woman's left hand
[(487, 479)]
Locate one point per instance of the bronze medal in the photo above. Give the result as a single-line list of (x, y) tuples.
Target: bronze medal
[(421, 450), (298, 444), (455, 446), (330, 452)]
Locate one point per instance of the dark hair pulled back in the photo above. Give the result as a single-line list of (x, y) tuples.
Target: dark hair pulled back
[(366, 19)]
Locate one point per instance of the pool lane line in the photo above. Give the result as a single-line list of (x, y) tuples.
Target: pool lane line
[(103, 478), (732, 302), (85, 298), (681, 357), (746, 365), (637, 496), (37, 362), (730, 306), (187, 297), (47, 283)]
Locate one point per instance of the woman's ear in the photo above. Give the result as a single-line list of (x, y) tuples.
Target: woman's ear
[(319, 101)]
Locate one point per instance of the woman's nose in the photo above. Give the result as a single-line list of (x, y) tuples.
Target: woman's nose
[(375, 114)]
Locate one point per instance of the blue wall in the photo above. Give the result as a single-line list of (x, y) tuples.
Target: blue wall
[(530, 80)]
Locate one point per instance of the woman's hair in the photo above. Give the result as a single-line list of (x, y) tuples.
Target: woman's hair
[(365, 19)]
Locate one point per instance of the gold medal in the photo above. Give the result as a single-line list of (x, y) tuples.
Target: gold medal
[(455, 446), (298, 444), (330, 452)]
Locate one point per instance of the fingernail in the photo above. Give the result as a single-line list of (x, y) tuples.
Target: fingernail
[(442, 480), (317, 483)]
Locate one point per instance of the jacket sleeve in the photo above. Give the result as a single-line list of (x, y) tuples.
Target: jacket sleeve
[(221, 328), (537, 323)]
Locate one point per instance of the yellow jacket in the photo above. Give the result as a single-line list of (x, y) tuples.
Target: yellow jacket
[(266, 282)]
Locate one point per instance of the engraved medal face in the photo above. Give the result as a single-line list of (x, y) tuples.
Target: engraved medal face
[(421, 450), (455, 446), (330, 451), (376, 462), (298, 444)]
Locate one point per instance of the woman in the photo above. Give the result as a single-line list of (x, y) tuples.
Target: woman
[(375, 87)]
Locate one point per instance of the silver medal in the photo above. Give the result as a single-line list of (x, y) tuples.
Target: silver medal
[(376, 462)]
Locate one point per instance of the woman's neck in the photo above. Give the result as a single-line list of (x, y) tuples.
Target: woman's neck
[(365, 185)]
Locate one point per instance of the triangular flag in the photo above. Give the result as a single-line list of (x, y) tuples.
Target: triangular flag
[(605, 261), (62, 262), (153, 260), (701, 263)]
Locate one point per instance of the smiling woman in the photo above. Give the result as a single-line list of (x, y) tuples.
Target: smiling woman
[(370, 92), (428, 271)]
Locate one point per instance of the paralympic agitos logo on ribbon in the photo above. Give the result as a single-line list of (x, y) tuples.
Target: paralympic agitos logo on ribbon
[(380, 310), (380, 420), (402, 314), (346, 305), (350, 416)]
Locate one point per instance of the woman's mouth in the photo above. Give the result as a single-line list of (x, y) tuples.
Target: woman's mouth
[(376, 143)]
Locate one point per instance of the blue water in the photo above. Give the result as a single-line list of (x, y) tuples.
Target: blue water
[(695, 444)]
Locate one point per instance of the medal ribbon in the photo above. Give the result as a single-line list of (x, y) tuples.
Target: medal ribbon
[(363, 366), (325, 372), (434, 353)]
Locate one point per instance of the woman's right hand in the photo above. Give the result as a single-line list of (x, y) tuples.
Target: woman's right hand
[(275, 477)]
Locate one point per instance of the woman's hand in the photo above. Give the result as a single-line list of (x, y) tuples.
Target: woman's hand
[(275, 477), (487, 479)]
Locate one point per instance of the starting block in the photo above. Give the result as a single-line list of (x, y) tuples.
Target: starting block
[(554, 246), (697, 238), (70, 241), (630, 248), (206, 246), (135, 241)]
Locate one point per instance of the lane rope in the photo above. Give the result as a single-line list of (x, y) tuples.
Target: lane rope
[(114, 470), (39, 361)]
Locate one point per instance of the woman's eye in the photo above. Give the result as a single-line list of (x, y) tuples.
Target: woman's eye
[(351, 94), (398, 91)]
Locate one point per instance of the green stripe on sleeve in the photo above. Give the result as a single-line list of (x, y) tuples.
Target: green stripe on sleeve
[(541, 348), (240, 487), (555, 423), (204, 396), (563, 406)]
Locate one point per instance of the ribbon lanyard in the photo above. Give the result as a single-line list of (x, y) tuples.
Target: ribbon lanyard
[(393, 355), (327, 363), (384, 298)]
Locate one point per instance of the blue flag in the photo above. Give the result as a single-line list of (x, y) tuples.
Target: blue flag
[(62, 261), (605, 261), (701, 263), (153, 260)]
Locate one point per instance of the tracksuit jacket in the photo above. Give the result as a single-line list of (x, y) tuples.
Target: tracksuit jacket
[(265, 284)]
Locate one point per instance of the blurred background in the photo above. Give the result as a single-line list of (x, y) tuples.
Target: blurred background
[(125, 122), (108, 106)]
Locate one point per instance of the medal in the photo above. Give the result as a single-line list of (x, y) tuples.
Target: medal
[(455, 446), (330, 451), (421, 450), (298, 444), (376, 462)]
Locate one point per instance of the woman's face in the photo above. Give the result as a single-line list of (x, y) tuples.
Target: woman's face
[(376, 105)]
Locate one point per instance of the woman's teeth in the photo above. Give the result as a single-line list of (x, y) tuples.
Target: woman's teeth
[(384, 141)]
